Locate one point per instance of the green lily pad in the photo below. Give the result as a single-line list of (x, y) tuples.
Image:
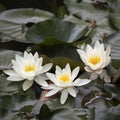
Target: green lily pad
[(57, 29), (14, 23)]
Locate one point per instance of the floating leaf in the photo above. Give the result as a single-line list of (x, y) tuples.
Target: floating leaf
[(86, 11), (16, 105), (5, 58), (25, 15), (55, 104), (59, 54), (113, 91), (103, 111), (114, 40), (57, 29), (114, 14), (14, 23)]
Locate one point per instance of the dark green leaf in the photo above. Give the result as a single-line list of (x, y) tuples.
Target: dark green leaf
[(57, 29), (67, 51), (59, 55)]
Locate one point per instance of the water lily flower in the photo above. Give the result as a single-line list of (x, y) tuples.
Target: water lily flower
[(96, 58), (64, 81), (28, 68)]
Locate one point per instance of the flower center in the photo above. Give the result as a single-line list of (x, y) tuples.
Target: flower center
[(64, 78), (29, 68), (94, 59)]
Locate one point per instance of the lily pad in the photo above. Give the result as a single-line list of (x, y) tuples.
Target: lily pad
[(57, 29), (6, 56), (86, 11), (114, 14), (14, 23), (114, 40)]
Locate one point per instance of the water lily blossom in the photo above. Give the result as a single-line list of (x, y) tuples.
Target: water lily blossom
[(64, 81), (28, 68), (96, 58)]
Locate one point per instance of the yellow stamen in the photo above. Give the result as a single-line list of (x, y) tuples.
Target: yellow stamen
[(94, 59), (29, 68), (64, 78)]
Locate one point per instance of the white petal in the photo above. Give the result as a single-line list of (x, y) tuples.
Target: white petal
[(10, 72), (108, 50), (49, 87), (89, 48), (39, 67), (52, 92), (40, 61), (13, 75), (58, 71), (64, 96), (25, 55), (15, 78), (52, 77), (81, 82), (97, 43), (30, 56), (16, 69), (36, 56), (83, 55), (41, 82), (88, 69), (75, 72), (46, 68), (68, 69), (30, 76), (99, 71), (72, 91), (27, 84), (106, 61), (18, 58)]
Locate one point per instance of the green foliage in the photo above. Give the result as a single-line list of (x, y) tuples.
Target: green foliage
[(56, 40), (14, 23), (114, 40), (55, 29)]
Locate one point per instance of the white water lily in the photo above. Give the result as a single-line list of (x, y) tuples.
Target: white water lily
[(28, 68), (95, 58), (64, 81)]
